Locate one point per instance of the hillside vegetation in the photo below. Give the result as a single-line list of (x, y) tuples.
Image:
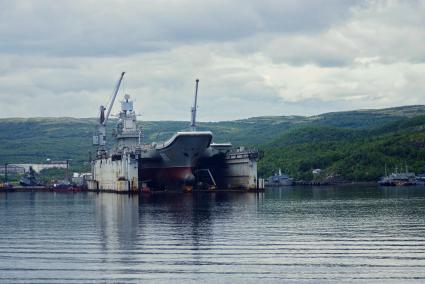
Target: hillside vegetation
[(353, 145), (351, 155)]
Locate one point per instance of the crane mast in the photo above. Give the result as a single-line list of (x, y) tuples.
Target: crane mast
[(99, 138), (112, 100)]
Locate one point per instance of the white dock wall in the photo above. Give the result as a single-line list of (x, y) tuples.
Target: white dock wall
[(241, 171), (119, 175)]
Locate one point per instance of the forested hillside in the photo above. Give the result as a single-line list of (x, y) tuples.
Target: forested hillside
[(354, 145), (354, 155)]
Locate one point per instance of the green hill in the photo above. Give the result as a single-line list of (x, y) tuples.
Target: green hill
[(353, 144), (354, 155)]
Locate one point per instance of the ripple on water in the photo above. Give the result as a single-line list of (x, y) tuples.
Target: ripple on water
[(308, 234)]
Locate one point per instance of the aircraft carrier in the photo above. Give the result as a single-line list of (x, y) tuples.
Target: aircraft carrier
[(188, 160)]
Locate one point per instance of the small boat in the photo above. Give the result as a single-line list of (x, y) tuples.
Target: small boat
[(420, 179), (64, 186), (5, 186)]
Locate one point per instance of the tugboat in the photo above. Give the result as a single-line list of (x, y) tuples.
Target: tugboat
[(279, 179)]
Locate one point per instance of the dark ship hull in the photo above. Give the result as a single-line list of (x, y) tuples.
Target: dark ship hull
[(173, 163)]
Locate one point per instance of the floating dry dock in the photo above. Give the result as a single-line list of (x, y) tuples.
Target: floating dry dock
[(189, 160)]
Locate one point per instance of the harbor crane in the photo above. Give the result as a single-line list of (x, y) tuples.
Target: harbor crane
[(99, 138)]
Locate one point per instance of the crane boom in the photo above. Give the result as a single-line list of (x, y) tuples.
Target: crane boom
[(112, 100), (99, 137)]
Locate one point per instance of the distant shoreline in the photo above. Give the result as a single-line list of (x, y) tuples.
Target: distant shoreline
[(340, 184)]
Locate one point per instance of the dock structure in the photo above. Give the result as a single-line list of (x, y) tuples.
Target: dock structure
[(230, 168), (8, 168), (120, 174), (241, 169), (37, 167)]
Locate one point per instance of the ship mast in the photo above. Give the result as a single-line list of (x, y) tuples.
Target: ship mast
[(193, 120)]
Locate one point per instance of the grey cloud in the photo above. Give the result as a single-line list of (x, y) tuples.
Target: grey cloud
[(62, 58), (96, 28)]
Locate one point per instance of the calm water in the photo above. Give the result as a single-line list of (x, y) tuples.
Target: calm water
[(307, 234)]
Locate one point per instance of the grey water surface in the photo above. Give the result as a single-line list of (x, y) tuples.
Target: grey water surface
[(319, 234)]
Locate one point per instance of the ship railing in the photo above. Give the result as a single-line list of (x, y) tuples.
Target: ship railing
[(237, 153)]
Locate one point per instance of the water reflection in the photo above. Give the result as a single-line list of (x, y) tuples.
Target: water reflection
[(349, 192), (295, 233), (118, 224), (124, 220)]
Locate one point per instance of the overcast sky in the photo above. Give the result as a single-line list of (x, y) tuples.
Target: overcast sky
[(253, 58)]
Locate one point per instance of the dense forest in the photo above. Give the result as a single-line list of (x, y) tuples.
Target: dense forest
[(348, 154), (353, 145)]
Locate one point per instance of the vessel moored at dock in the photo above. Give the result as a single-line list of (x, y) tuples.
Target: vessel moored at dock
[(181, 162), (398, 178), (172, 163), (279, 179)]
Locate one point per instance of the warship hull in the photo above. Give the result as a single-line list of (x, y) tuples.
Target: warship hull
[(172, 163)]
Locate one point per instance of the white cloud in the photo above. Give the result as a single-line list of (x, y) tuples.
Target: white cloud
[(62, 58)]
